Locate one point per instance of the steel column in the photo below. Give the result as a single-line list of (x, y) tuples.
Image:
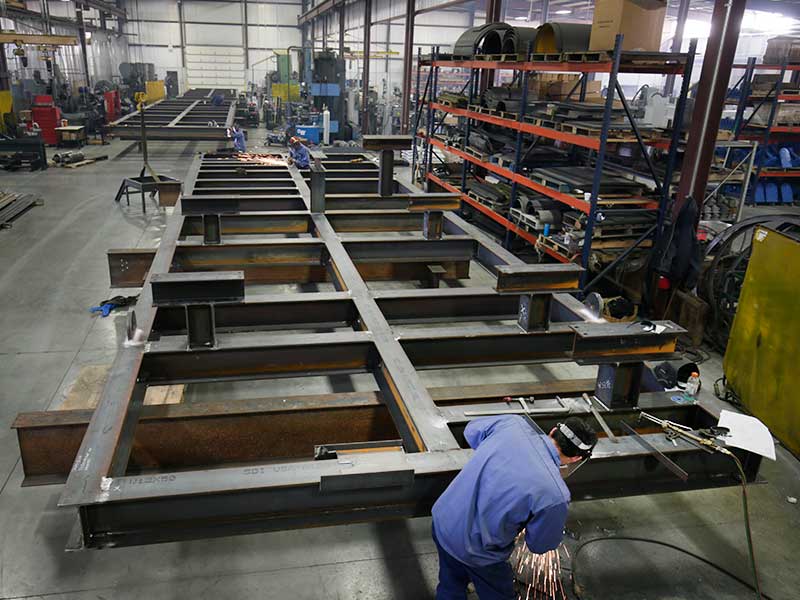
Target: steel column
[(726, 24), (82, 40), (408, 53), (365, 129)]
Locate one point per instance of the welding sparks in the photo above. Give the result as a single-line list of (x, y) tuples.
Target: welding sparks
[(272, 160), (539, 574)]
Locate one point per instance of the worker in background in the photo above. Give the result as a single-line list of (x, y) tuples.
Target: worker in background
[(217, 99), (298, 153), (513, 481), (237, 135)]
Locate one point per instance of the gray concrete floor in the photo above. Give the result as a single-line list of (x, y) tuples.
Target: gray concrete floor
[(53, 267)]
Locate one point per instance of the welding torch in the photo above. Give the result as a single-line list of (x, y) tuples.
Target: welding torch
[(707, 442), (673, 430)]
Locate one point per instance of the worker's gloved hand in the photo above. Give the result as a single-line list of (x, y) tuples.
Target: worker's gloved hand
[(106, 306), (103, 309)]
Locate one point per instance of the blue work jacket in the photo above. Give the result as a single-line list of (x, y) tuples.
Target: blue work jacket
[(510, 483), (300, 156)]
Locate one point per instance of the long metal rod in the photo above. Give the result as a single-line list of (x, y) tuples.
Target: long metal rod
[(670, 464)]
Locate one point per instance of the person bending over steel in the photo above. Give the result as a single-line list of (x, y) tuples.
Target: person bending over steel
[(512, 482), (298, 154)]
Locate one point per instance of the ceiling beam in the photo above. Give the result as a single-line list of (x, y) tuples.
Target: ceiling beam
[(106, 7)]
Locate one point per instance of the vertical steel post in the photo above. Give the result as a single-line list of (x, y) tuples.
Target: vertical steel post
[(408, 53), (744, 94), (677, 42), (431, 116), (182, 39), (365, 73), (341, 35), (466, 166), (82, 40), (677, 129), (509, 237), (726, 22), (773, 114), (245, 35), (386, 173), (417, 110), (317, 187), (601, 156)]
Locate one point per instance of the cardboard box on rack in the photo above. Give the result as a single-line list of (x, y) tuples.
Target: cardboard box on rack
[(641, 23), (780, 48), (539, 84), (560, 89)]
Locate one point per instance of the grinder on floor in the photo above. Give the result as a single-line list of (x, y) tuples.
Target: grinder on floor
[(514, 481)]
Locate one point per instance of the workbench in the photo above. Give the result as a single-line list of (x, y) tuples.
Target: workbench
[(71, 136)]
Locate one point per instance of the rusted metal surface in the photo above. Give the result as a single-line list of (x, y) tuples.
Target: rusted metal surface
[(133, 474)]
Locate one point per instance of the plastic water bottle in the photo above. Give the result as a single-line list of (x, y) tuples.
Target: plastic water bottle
[(693, 385)]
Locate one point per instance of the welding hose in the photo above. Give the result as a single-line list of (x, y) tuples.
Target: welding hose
[(745, 509)]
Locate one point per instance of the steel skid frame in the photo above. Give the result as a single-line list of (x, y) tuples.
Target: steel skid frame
[(146, 474), (185, 118)]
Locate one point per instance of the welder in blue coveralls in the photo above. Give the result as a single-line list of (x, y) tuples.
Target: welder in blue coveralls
[(298, 154), (513, 481)]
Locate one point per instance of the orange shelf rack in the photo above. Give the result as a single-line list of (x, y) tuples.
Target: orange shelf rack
[(567, 199), (496, 217), (585, 63)]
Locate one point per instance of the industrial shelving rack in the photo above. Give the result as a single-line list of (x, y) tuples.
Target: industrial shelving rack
[(771, 132), (612, 63)]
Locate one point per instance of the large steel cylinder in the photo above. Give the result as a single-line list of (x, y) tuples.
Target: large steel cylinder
[(563, 37)]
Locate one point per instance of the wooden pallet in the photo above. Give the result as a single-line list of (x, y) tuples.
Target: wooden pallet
[(552, 183), (544, 57), (482, 156), (493, 204), (585, 56), (498, 57), (451, 104), (557, 247)]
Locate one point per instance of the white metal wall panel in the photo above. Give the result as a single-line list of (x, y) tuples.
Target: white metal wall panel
[(273, 14), (153, 33), (212, 12), (156, 10), (223, 35), (211, 66), (273, 37)]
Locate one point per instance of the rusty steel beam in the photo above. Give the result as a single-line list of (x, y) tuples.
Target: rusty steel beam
[(182, 436), (726, 23), (186, 493)]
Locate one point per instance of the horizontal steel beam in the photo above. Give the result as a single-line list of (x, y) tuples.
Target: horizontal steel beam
[(182, 436)]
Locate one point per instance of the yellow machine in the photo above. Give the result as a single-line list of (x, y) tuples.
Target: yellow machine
[(155, 91), (764, 345)]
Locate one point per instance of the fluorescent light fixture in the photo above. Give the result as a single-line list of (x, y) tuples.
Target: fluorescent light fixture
[(520, 18), (563, 11)]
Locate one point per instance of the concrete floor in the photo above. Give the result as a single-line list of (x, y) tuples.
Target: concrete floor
[(53, 267)]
